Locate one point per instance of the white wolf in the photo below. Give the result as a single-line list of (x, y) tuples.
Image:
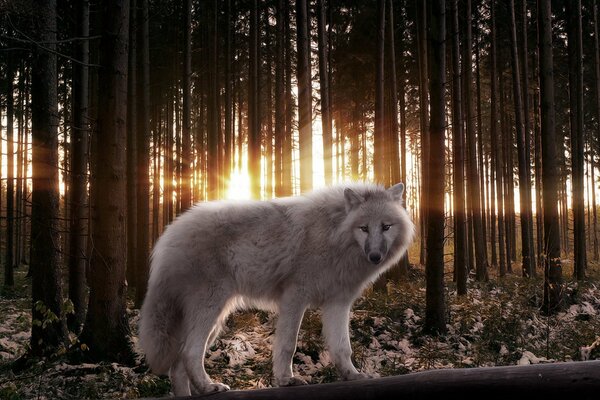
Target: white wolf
[(285, 255)]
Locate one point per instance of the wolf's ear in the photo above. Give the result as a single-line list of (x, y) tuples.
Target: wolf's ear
[(397, 190), (353, 199)]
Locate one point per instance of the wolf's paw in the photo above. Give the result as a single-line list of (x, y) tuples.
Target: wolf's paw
[(211, 388), (293, 381), (357, 376)]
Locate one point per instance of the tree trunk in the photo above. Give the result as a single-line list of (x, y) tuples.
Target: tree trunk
[(552, 265), (106, 331), (10, 174), (379, 132), (280, 98), (304, 95), (597, 72), (473, 176), (78, 254), (142, 149), (460, 262), (254, 104), (435, 311), (131, 148), (186, 133), (423, 119), (213, 121), (575, 50), (323, 44), (523, 153), (47, 334), (287, 159)]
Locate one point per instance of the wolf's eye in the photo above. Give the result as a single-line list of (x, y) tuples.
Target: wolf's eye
[(385, 227), (364, 228)]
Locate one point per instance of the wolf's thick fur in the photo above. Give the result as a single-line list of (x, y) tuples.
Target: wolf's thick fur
[(318, 250)]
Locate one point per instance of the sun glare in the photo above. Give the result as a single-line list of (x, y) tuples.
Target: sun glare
[(238, 187)]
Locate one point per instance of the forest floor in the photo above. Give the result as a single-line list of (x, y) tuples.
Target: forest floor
[(497, 323)]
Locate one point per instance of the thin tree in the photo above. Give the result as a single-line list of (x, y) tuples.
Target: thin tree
[(326, 120), (523, 153), (142, 149), (106, 330), (597, 71), (435, 309), (552, 263), (186, 134), (80, 130), (379, 130), (48, 330), (460, 261), (575, 51), (10, 173), (474, 188), (280, 97), (254, 124), (421, 7), (304, 94)]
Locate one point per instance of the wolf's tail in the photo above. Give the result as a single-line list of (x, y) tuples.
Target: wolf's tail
[(159, 332)]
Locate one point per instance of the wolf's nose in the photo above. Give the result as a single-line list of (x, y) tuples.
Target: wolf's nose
[(375, 258)]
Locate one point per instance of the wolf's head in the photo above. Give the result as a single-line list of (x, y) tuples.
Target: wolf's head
[(379, 222)]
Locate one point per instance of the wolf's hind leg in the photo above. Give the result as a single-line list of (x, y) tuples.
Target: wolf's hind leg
[(180, 383), (284, 346), (336, 319), (201, 324)]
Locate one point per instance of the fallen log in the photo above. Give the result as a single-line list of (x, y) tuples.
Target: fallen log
[(579, 380)]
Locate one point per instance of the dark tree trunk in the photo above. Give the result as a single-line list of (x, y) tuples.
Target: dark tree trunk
[(323, 37), (213, 122), (423, 119), (10, 174), (304, 95), (287, 159), (280, 98), (254, 104), (379, 132), (552, 265), (131, 147), (186, 133), (523, 153), (474, 188), (106, 330), (435, 311), (460, 262), (142, 150), (573, 9), (597, 73), (78, 252), (46, 288)]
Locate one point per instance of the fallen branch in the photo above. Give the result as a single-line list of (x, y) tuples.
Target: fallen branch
[(580, 380)]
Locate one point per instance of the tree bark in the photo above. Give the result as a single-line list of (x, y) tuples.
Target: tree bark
[(106, 330), (460, 262), (323, 45), (10, 174), (473, 176), (597, 73), (435, 309), (577, 379), (552, 265), (213, 120), (186, 133), (280, 97), (142, 150), (304, 95), (254, 104), (78, 254), (379, 130), (523, 153), (575, 51), (46, 287)]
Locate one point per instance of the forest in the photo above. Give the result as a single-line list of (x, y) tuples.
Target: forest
[(117, 116)]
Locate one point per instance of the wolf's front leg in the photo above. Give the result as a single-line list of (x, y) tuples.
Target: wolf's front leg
[(284, 346), (336, 319)]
